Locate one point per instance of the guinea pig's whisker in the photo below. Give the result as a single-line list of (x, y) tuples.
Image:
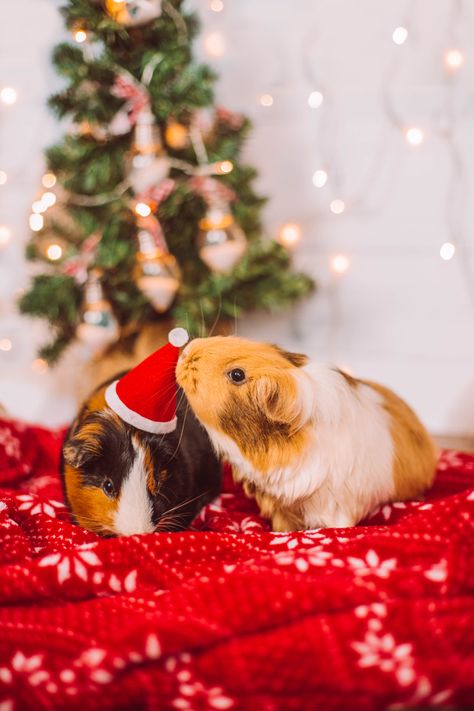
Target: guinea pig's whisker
[(203, 327), (184, 503)]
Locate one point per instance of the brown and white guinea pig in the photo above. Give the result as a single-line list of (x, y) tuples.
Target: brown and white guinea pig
[(120, 480), (316, 447)]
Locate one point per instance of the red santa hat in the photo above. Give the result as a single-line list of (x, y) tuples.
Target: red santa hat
[(146, 396)]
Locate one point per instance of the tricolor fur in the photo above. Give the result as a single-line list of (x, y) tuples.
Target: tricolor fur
[(315, 446), (121, 481)]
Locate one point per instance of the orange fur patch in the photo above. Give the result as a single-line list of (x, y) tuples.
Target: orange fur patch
[(415, 453), (92, 508)]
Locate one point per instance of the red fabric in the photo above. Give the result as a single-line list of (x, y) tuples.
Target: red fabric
[(231, 616), (155, 375)]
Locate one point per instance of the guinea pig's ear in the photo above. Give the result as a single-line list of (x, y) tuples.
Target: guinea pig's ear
[(79, 450), (298, 359), (279, 398)]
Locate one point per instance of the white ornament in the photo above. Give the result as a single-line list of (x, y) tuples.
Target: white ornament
[(147, 172), (132, 13)]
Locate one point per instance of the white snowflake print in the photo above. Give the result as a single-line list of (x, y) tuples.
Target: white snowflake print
[(29, 669), (293, 540), (35, 506), (10, 443), (69, 565), (192, 693), (423, 692), (438, 572), (383, 652), (302, 562), (449, 459), (372, 565)]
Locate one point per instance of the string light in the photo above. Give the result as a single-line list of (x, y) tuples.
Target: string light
[(453, 58), (225, 167), (266, 100), (142, 209), (447, 251), (38, 206), (214, 44), (8, 95), (54, 252), (340, 263), (36, 222), (216, 5), (48, 199), (3, 177), (80, 36), (39, 365), (320, 178), (290, 234), (315, 99), (5, 344), (414, 136), (400, 35), (5, 235), (48, 180), (337, 206)]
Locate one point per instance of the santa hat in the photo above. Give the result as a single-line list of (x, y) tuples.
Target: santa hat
[(146, 396)]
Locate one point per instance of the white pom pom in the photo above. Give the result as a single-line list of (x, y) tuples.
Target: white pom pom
[(178, 337)]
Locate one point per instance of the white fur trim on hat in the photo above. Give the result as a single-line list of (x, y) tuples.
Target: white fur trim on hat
[(134, 418)]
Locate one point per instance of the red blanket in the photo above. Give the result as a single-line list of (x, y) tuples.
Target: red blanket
[(231, 616)]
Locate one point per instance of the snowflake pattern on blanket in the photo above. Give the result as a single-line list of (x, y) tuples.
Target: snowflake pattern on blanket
[(229, 615)]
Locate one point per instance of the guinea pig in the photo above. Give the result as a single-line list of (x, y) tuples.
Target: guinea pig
[(120, 480), (315, 446)]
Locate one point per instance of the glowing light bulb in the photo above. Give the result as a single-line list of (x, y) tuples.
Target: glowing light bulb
[(320, 178), (315, 99), (5, 235), (447, 251), (8, 95), (216, 5), (453, 58), (290, 234), (38, 206), (36, 222), (48, 199), (214, 44), (39, 365), (54, 252), (337, 206), (48, 180), (225, 167), (142, 209), (400, 35), (5, 344), (414, 136), (340, 263), (80, 36), (3, 177), (266, 100)]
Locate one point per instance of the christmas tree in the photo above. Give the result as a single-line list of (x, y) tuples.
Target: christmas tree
[(147, 212)]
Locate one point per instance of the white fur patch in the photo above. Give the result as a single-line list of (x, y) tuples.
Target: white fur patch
[(134, 513)]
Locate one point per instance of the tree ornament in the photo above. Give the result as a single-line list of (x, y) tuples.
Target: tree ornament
[(156, 271), (221, 242), (98, 327), (176, 135), (132, 13), (147, 138)]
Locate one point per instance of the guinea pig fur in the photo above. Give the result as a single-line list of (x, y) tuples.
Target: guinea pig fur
[(120, 480), (314, 446)]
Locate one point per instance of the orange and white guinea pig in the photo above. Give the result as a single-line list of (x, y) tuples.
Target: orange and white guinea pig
[(316, 447)]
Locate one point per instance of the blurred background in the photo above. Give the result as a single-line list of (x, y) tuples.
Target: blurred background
[(363, 136)]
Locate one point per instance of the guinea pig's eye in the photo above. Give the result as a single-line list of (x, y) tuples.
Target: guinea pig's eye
[(237, 375), (108, 487)]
